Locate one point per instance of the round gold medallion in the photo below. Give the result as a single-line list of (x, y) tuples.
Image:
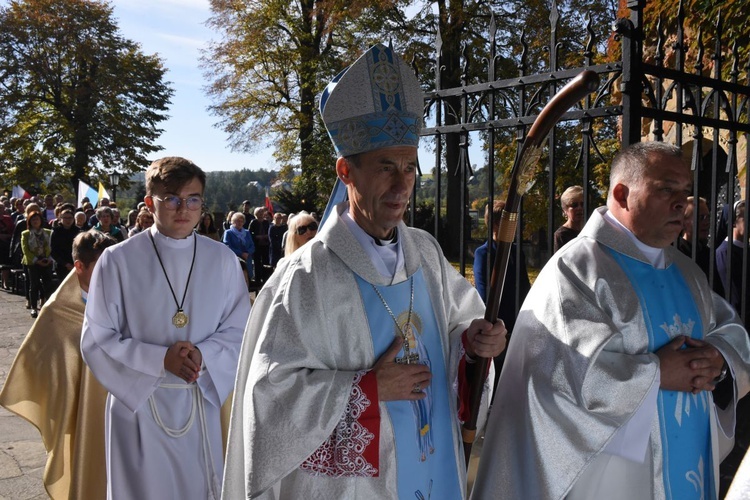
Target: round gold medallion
[(180, 319)]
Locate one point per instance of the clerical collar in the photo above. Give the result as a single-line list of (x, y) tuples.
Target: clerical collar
[(653, 254), (391, 241), (172, 243), (388, 258)]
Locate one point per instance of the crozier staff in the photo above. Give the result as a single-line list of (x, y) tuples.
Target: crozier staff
[(353, 369), (162, 333)]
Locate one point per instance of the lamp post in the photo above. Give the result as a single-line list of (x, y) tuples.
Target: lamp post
[(114, 181)]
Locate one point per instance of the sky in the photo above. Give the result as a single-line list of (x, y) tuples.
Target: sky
[(176, 31)]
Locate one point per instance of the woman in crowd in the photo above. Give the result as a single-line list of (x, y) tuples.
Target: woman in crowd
[(227, 224), (132, 216), (572, 207), (143, 221), (240, 241), (483, 264), (35, 244), (105, 225), (276, 236), (81, 221), (207, 228), (302, 228)]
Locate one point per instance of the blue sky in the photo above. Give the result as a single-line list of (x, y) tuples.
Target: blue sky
[(176, 31)]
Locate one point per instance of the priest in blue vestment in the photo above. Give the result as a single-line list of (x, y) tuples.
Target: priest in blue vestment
[(607, 386)]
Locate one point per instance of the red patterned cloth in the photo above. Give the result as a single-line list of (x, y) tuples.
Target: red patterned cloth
[(352, 449)]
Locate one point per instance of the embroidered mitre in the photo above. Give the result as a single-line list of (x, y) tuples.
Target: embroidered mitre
[(374, 103)]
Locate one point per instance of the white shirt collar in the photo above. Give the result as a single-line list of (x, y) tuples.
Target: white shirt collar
[(654, 255)]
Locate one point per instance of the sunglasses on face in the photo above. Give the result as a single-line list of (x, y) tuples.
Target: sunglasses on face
[(313, 226)]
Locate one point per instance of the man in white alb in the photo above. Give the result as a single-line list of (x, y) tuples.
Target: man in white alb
[(162, 333)]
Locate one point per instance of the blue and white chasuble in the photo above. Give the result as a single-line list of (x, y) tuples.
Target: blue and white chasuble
[(423, 434), (684, 419)]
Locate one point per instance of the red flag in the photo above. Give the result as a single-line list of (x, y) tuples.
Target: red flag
[(269, 205)]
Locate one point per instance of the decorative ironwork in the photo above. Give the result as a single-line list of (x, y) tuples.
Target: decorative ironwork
[(667, 93)]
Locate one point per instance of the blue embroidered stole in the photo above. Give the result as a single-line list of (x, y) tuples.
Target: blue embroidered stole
[(423, 430), (684, 420)]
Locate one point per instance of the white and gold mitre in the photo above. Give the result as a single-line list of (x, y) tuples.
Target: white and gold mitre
[(374, 103)]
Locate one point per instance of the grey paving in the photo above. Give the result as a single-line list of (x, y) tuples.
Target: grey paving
[(22, 454)]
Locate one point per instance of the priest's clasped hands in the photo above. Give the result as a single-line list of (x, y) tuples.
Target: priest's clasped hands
[(689, 365), (398, 381), (184, 360)]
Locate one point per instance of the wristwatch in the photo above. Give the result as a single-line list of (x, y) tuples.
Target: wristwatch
[(722, 375)]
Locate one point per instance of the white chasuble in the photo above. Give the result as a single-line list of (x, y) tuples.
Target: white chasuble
[(580, 366), (308, 343)]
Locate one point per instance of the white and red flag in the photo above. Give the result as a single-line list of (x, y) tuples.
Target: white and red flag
[(19, 192)]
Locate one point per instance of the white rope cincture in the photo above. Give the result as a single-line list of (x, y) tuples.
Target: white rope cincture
[(197, 402)]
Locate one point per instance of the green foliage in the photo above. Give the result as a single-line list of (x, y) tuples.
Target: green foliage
[(227, 190), (701, 15), (76, 98), (302, 196), (274, 58)]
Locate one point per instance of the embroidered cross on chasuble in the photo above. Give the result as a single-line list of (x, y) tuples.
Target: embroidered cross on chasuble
[(425, 450), (684, 420)]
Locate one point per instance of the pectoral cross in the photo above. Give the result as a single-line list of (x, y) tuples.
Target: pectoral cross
[(409, 357)]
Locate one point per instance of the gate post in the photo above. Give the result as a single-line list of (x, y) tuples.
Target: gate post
[(631, 33)]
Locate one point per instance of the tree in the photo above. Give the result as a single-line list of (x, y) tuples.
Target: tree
[(274, 58), (76, 98), (702, 14), (464, 29)]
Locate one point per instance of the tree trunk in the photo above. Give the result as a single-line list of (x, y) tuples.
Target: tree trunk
[(451, 30)]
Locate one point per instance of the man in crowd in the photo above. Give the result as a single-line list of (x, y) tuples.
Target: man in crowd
[(48, 213), (6, 233), (685, 243), (247, 211), (606, 390), (734, 251), (61, 241), (359, 346), (162, 334), (259, 229), (51, 387), (17, 204), (275, 238)]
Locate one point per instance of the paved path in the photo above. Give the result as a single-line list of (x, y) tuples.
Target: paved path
[(22, 454)]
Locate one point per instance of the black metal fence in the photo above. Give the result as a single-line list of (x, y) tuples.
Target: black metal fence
[(669, 95)]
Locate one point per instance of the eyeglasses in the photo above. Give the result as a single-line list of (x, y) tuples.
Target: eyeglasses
[(313, 226), (174, 202), (575, 204)]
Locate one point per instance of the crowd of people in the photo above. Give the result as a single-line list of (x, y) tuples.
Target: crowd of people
[(43, 249), (352, 372)]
